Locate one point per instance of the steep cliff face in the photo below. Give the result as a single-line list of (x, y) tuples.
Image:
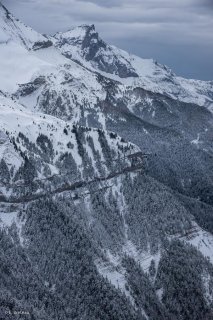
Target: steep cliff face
[(105, 182)]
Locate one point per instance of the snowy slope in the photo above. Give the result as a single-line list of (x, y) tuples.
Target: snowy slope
[(67, 87), (18, 63), (17, 66), (60, 138), (13, 29), (24, 66)]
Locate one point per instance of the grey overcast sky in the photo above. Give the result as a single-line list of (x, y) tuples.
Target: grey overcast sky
[(178, 33)]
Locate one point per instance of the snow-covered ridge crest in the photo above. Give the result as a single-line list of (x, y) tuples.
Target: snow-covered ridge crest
[(11, 29)]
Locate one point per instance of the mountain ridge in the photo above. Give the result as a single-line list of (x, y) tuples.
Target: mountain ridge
[(106, 178), (25, 35)]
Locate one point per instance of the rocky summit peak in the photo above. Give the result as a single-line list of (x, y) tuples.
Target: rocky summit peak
[(76, 34), (89, 27), (84, 41)]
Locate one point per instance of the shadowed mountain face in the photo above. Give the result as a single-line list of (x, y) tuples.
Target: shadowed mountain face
[(106, 175)]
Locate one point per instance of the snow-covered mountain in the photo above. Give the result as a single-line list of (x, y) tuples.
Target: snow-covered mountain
[(83, 44), (106, 178)]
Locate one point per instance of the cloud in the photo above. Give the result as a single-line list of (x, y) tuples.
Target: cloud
[(104, 3), (154, 28), (209, 3)]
